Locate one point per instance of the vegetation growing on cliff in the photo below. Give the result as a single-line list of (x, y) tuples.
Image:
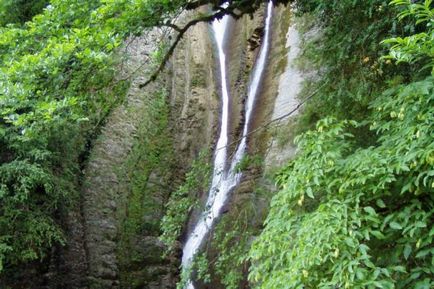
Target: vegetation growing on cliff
[(184, 199), (148, 173)]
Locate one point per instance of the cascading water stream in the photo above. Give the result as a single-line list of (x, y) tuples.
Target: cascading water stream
[(199, 232), (223, 180), (255, 82)]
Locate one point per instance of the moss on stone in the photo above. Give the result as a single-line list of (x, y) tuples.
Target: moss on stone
[(146, 172)]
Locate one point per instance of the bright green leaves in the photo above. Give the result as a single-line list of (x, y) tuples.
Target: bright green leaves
[(411, 48), (309, 247), (370, 211), (369, 221), (294, 243), (419, 46), (325, 147), (201, 266), (395, 225), (63, 52), (341, 237), (422, 11), (407, 126)]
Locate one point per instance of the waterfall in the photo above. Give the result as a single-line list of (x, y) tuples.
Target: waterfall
[(224, 180)]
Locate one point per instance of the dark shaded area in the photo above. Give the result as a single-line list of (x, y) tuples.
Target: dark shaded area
[(20, 11)]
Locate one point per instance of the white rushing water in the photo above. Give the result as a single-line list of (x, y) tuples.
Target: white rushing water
[(223, 181)]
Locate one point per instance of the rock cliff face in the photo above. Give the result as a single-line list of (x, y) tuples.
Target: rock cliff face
[(281, 148), (194, 97), (104, 190), (117, 254)]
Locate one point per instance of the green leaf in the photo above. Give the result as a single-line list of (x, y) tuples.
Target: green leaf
[(407, 251), (378, 235), (423, 253), (350, 242), (395, 226), (360, 274), (309, 192), (369, 210), (380, 203), (399, 269), (420, 224), (423, 284)]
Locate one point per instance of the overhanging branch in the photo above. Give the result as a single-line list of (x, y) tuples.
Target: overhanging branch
[(181, 32)]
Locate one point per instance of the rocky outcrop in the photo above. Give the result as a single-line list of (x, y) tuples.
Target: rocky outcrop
[(194, 97), (103, 189), (73, 264), (242, 49), (281, 147)]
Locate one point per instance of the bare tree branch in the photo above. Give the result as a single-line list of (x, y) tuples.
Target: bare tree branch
[(178, 38), (173, 26)]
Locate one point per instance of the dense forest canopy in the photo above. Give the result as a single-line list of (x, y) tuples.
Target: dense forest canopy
[(355, 208)]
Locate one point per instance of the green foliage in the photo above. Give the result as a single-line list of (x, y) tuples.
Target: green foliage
[(249, 161), (351, 216), (345, 215), (201, 265), (344, 53), (417, 47), (36, 181), (56, 87), (232, 240), (184, 199)]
